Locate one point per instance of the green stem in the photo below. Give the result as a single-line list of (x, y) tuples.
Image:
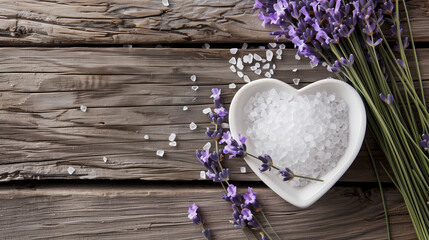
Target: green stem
[(269, 224)]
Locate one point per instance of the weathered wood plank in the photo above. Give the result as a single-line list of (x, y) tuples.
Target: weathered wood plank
[(129, 93), (136, 211), (97, 22)]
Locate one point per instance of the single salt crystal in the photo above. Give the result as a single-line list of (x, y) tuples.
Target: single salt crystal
[(324, 64), (270, 55), (263, 60), (193, 78), (253, 68), (146, 137), (258, 71), (244, 46), (297, 57), (296, 81), (207, 110), (165, 3), (313, 64), (295, 70), (172, 144), (232, 85), (233, 50), (257, 65), (282, 46), (203, 175), (71, 170), (225, 125), (83, 108), (261, 47), (250, 58), (172, 137), (268, 74), (271, 71), (246, 78), (185, 108), (240, 74), (240, 64), (274, 66), (266, 66), (257, 57), (105, 159), (329, 68), (243, 169), (193, 126), (279, 57), (207, 146), (206, 46), (279, 52), (233, 68), (195, 88), (160, 153), (246, 59), (272, 45)]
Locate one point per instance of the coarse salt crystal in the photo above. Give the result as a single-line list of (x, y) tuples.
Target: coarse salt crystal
[(240, 64), (225, 125), (232, 85), (270, 55), (203, 175), (172, 137), (246, 59), (264, 60), (195, 88), (193, 126), (206, 46), (253, 68), (233, 50), (273, 45), (324, 64), (271, 71), (83, 108), (240, 74), (146, 137), (282, 46), (257, 57), (232, 67), (297, 57), (207, 110), (279, 57), (268, 74), (207, 146), (244, 46), (160, 153), (257, 65), (274, 66), (258, 71), (313, 64), (250, 58), (172, 144), (243, 169), (71, 170), (279, 52), (105, 159), (165, 3), (266, 66), (295, 70), (185, 108), (296, 81), (246, 78), (233, 60), (193, 78)]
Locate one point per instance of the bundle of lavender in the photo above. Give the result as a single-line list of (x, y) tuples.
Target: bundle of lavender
[(347, 36)]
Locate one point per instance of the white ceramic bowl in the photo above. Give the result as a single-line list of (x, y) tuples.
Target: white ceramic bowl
[(302, 196)]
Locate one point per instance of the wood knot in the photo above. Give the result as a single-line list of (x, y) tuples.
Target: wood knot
[(19, 31)]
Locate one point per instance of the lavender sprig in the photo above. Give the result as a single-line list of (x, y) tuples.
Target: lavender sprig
[(196, 218)]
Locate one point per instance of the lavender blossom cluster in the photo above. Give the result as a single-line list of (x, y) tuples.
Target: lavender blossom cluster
[(314, 25)]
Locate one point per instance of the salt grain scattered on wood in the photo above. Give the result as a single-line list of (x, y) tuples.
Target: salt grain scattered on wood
[(296, 81), (313, 64), (185, 108), (324, 64), (172, 137), (232, 85), (258, 71), (257, 57), (297, 57), (257, 65), (282, 46), (274, 66), (253, 68), (233, 50), (207, 110), (243, 169), (250, 58), (295, 70), (279, 52), (160, 153), (207, 146), (83, 108), (246, 78), (232, 67), (206, 46), (246, 59), (233, 60), (279, 57), (272, 71), (146, 137), (270, 55), (195, 88), (244, 46), (165, 3), (273, 45), (192, 126), (240, 64), (193, 78), (71, 170), (266, 66), (261, 47), (203, 175), (172, 144), (105, 159), (268, 74), (240, 74), (263, 60)]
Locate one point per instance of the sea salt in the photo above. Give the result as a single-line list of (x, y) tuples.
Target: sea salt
[(279, 57), (165, 3), (266, 66), (258, 71), (282, 46), (250, 58), (268, 74), (202, 175), (261, 47), (253, 68), (244, 46), (172, 144), (160, 153), (225, 125), (270, 55), (185, 108), (295, 70), (233, 50), (83, 108), (257, 65), (71, 170), (272, 45), (172, 137), (297, 57), (246, 59), (207, 110), (206, 46), (232, 85), (306, 133), (274, 66), (257, 57), (243, 169), (193, 78), (105, 159), (246, 78), (314, 64), (207, 146), (240, 74), (279, 52), (195, 88), (296, 81), (146, 137), (233, 60), (240, 64), (232, 67), (192, 126), (272, 71)]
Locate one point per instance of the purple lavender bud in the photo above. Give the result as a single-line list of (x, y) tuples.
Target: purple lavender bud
[(382, 97), (263, 237), (257, 4), (254, 224), (425, 137), (424, 145), (267, 163), (388, 99), (206, 234), (247, 214), (372, 43), (215, 93), (401, 63), (194, 215), (351, 59), (251, 200), (287, 174), (221, 111)]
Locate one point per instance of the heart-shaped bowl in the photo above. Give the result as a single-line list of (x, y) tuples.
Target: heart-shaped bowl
[(302, 196)]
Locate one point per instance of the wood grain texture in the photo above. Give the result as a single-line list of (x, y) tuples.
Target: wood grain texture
[(129, 93), (61, 22), (138, 211)]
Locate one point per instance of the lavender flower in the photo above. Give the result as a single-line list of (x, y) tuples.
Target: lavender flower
[(287, 174), (221, 111), (267, 163), (425, 142), (250, 200), (247, 214), (216, 97), (238, 221), (194, 215), (206, 234), (387, 100), (401, 63), (233, 148)]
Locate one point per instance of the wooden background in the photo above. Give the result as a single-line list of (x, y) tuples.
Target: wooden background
[(59, 55)]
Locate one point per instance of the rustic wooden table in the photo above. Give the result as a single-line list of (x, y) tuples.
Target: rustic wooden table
[(59, 55)]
